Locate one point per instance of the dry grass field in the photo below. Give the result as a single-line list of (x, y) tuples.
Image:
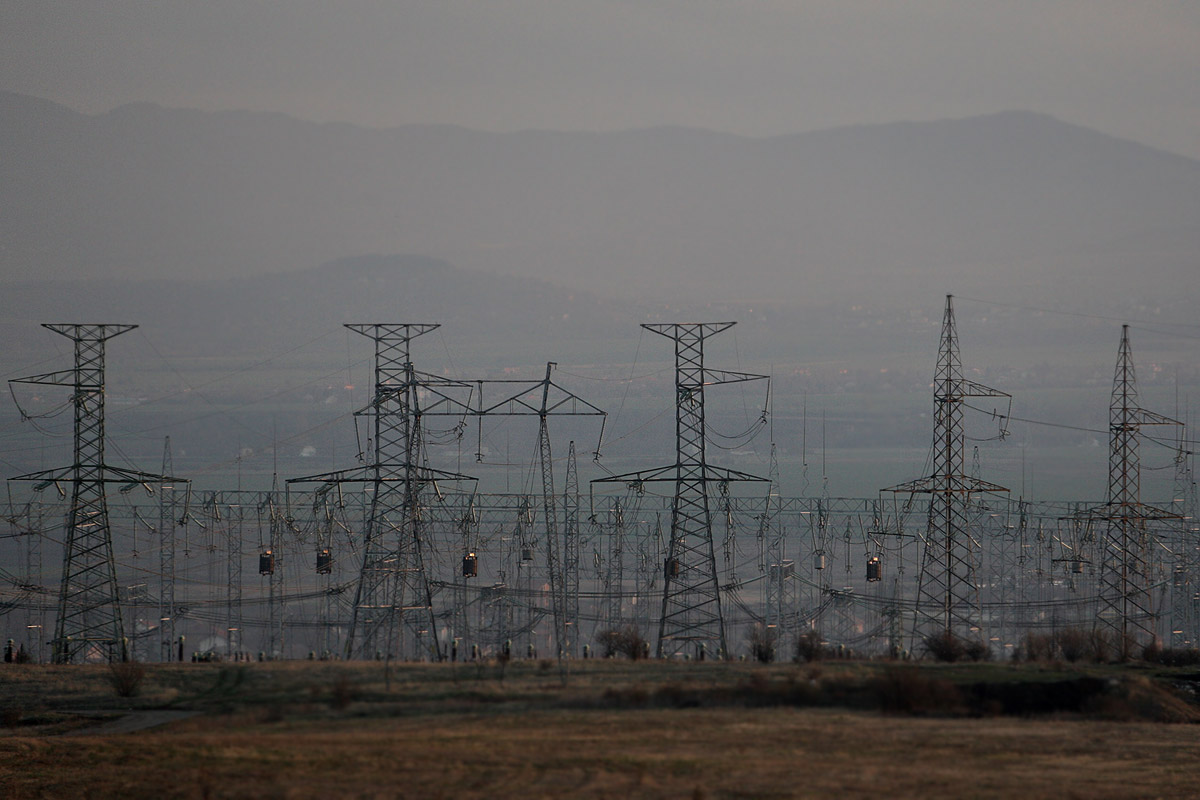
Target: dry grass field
[(610, 729)]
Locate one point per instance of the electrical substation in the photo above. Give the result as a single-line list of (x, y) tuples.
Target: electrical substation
[(390, 557)]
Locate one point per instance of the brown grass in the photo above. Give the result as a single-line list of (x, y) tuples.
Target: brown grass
[(651, 753), (618, 729)]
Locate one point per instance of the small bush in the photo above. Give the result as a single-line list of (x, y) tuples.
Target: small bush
[(945, 646), (763, 641), (126, 677), (1036, 647), (978, 650), (1171, 656), (948, 647), (1070, 644), (1078, 644), (627, 641), (809, 646)]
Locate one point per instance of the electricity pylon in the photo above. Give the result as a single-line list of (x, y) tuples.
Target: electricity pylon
[(691, 609), (948, 592), (394, 580), (1126, 608), (89, 622)]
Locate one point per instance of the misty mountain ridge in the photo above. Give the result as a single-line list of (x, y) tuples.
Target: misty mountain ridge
[(1007, 205), (270, 313)]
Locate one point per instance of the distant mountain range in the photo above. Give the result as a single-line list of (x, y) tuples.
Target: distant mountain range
[(1007, 205), (272, 313)]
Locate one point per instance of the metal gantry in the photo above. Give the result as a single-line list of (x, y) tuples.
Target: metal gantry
[(543, 400)]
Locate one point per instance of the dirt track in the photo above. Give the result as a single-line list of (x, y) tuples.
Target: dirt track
[(129, 721)]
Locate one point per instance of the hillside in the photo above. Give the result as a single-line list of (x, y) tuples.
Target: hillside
[(1012, 204)]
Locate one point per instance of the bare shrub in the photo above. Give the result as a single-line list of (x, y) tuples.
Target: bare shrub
[(809, 646), (945, 646), (978, 650), (763, 641), (1069, 644), (1036, 647), (126, 677), (1171, 656), (627, 641), (948, 647), (1076, 644)]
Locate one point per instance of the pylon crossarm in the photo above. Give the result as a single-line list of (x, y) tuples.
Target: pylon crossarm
[(1140, 416), (716, 377), (671, 473), (528, 401), (387, 331), (966, 388), (66, 377), (940, 484), (702, 329), (438, 400), (915, 486), (1130, 511), (382, 473)]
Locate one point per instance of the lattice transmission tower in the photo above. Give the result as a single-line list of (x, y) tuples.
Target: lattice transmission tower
[(393, 590), (691, 607), (89, 622), (948, 590), (1126, 607)]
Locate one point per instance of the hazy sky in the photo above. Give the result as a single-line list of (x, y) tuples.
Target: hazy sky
[(757, 67)]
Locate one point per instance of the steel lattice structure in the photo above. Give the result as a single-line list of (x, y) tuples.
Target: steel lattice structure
[(89, 622), (1126, 606), (394, 581), (948, 595), (545, 399), (691, 604), (965, 559)]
